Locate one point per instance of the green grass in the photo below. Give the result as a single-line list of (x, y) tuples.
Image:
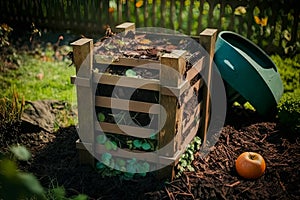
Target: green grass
[(54, 85)]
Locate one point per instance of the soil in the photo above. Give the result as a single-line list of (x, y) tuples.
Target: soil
[(55, 160)]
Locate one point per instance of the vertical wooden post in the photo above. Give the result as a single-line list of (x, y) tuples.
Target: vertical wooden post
[(171, 74), (125, 27), (83, 60), (207, 40)]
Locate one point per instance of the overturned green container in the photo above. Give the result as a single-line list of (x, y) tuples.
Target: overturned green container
[(248, 72)]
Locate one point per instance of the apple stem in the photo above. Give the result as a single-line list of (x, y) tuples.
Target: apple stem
[(251, 156)]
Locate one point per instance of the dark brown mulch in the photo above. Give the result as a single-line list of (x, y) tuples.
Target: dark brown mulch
[(56, 161)]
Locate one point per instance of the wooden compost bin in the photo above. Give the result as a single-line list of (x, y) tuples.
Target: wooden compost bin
[(178, 128)]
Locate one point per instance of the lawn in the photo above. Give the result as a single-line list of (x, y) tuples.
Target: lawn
[(36, 79)]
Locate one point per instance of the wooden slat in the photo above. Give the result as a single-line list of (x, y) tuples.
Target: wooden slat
[(172, 125), (172, 12), (196, 69), (192, 133), (207, 40), (139, 83), (83, 55), (132, 62), (154, 9), (136, 14), (125, 27), (124, 129), (174, 91), (151, 157), (146, 13), (191, 91), (190, 16), (175, 61), (191, 120), (84, 82), (162, 13), (181, 7), (130, 105), (201, 7), (84, 145)]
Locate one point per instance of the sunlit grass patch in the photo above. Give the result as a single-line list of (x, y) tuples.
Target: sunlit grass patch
[(37, 80)]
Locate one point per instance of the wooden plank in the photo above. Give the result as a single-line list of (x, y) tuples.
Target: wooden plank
[(192, 133), (171, 129), (123, 104), (119, 11), (195, 114), (190, 17), (162, 13), (151, 157), (170, 62), (180, 15), (146, 13), (125, 27), (172, 12), (154, 9), (84, 150), (174, 91), (207, 40), (201, 7), (84, 82), (138, 83), (83, 54), (191, 91), (131, 62), (196, 69), (135, 131)]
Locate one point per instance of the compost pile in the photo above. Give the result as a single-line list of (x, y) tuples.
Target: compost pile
[(144, 46), (55, 160)]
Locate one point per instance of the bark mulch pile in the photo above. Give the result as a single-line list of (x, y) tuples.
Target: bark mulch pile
[(55, 162)]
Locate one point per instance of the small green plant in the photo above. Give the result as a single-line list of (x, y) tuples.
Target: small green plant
[(112, 142), (11, 109), (59, 193), (15, 184), (130, 73), (289, 112), (127, 169), (186, 159), (65, 115)]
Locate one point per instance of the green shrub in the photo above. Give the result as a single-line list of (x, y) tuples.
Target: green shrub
[(289, 70), (289, 112)]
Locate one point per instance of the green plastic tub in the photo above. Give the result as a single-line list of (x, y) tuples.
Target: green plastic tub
[(249, 72)]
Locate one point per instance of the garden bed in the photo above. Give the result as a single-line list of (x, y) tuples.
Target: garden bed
[(55, 161)]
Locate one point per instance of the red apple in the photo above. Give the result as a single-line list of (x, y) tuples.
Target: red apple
[(250, 165)]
